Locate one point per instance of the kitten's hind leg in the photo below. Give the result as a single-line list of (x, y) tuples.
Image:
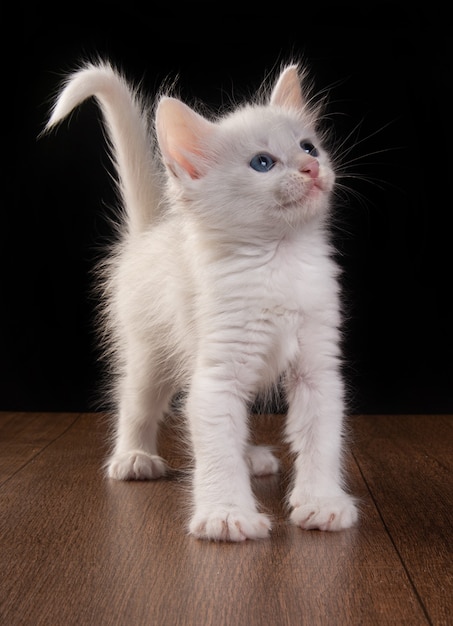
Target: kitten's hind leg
[(261, 460), (135, 465), (135, 454), (141, 407)]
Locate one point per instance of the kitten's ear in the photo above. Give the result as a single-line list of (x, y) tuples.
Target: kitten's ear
[(287, 92), (182, 135)]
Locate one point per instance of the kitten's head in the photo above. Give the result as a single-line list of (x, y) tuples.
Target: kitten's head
[(258, 170)]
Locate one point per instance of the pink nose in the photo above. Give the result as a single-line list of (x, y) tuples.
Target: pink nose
[(311, 168)]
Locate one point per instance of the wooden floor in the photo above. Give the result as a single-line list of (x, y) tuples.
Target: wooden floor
[(78, 549)]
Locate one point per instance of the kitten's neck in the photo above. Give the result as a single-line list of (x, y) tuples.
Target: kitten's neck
[(259, 249)]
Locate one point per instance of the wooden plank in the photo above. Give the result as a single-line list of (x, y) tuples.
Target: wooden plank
[(24, 435), (80, 549), (407, 463)]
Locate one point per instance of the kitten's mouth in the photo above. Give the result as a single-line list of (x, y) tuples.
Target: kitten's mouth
[(295, 194), (310, 192), (316, 186)]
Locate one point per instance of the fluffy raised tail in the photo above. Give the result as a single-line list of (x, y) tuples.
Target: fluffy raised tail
[(128, 126)]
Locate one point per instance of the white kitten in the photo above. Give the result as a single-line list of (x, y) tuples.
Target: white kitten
[(222, 284)]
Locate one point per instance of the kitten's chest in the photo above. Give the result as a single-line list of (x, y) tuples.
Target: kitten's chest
[(265, 305), (268, 327), (279, 308), (288, 286), (252, 312), (270, 294), (278, 288)]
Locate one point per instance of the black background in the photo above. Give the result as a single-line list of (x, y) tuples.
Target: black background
[(387, 67)]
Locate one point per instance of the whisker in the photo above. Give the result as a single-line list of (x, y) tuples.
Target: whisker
[(339, 152), (373, 153)]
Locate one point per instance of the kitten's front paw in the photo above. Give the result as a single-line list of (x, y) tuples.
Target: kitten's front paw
[(335, 513), (230, 525), (261, 461), (135, 465)]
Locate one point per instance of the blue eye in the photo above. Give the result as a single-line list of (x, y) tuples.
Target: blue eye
[(262, 162), (309, 148)]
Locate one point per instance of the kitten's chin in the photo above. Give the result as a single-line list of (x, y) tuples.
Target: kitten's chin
[(299, 211), (293, 194), (310, 198)]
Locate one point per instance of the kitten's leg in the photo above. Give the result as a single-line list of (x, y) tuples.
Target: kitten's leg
[(315, 432), (143, 400), (224, 505), (261, 460)]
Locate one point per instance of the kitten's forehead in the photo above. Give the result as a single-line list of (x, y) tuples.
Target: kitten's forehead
[(266, 125)]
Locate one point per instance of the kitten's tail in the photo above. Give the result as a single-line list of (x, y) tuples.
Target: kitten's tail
[(128, 126)]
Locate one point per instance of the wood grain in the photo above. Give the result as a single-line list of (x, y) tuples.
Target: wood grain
[(24, 435), (407, 462), (77, 548)]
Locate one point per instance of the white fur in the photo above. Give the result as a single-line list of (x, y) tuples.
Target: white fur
[(222, 284)]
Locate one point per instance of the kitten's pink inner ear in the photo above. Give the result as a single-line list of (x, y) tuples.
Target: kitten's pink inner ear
[(182, 135), (287, 92)]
